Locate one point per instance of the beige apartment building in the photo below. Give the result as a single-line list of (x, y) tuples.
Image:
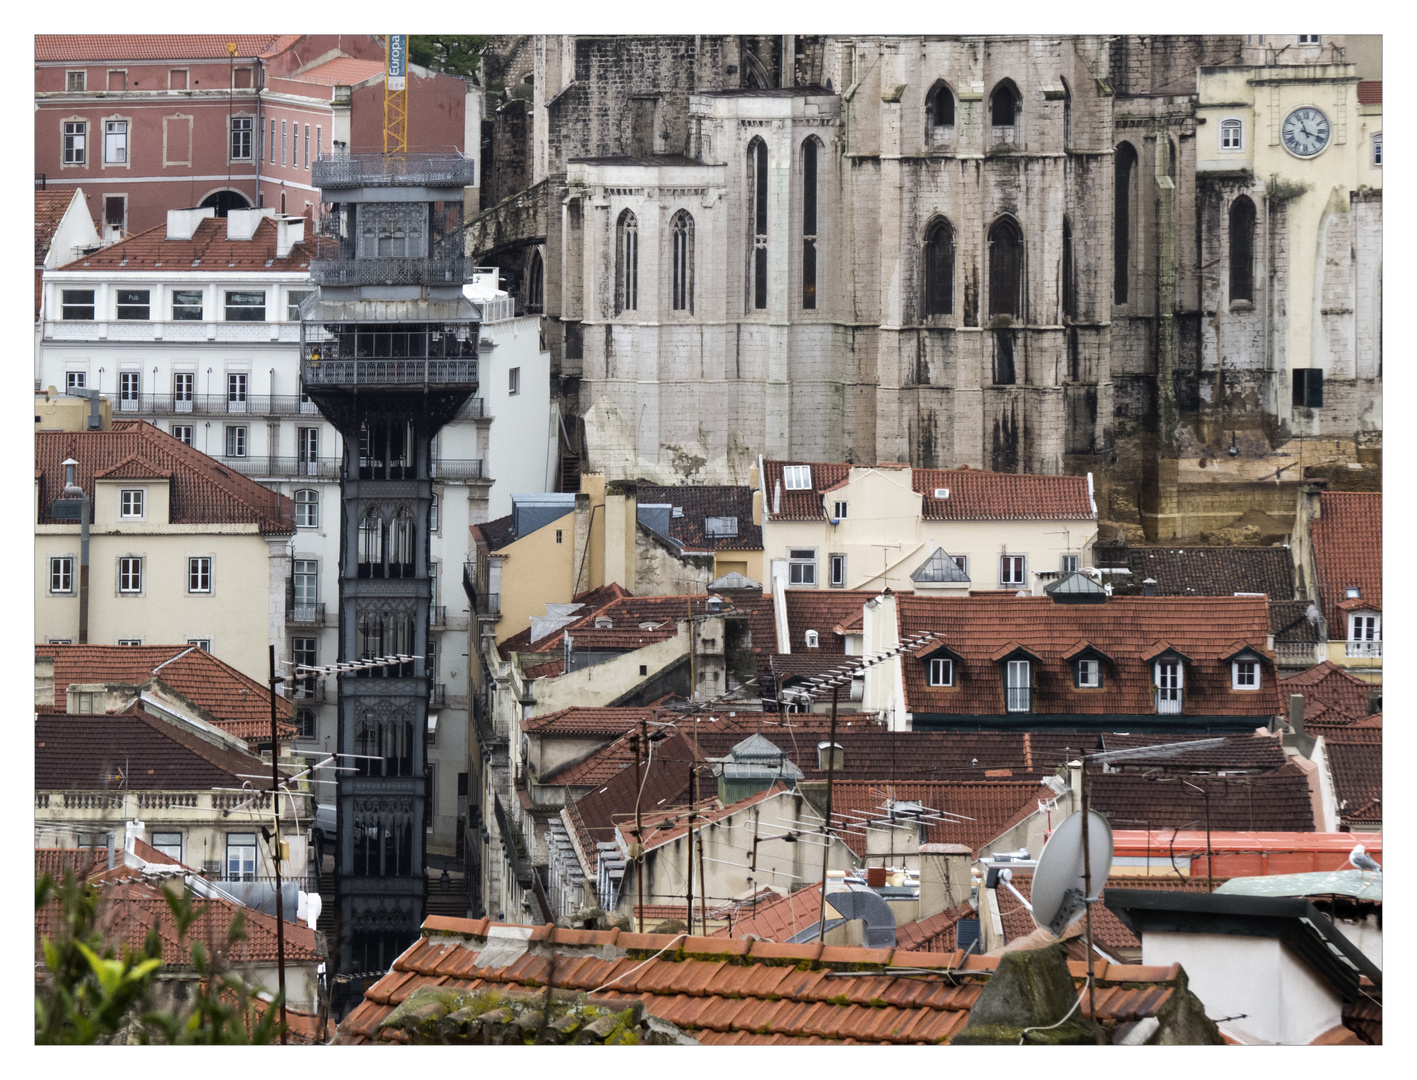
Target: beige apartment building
[(844, 526), (180, 549)]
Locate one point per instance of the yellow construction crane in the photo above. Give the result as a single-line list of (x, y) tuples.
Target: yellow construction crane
[(396, 94)]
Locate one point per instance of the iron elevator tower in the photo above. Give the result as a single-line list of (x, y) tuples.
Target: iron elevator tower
[(388, 354)]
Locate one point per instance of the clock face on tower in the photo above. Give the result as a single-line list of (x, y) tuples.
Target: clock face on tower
[(1305, 132)]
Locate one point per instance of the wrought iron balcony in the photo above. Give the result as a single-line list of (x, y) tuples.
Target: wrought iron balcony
[(1168, 702), (327, 371), (313, 614), (390, 271), (294, 467), (473, 409), (438, 694), (393, 170), (216, 405), (437, 615), (458, 469), (1018, 698)]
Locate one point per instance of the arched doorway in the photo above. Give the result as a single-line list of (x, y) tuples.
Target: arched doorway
[(226, 200)]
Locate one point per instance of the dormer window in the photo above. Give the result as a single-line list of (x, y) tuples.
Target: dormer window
[(1365, 634), (1088, 674), (829, 755), (811, 638), (1245, 675), (721, 526), (1018, 686), (797, 477), (603, 622), (1170, 683), (942, 672)]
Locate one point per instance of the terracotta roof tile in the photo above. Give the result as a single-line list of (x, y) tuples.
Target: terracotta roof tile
[(776, 994), (1357, 780), (343, 70), (239, 703), (1370, 92), (203, 492), (1129, 630), (1348, 552), (978, 495), (98, 47), (800, 505), (700, 502), (990, 807), (207, 251), (822, 610), (50, 206), (776, 919), (1215, 571), (1276, 801), (587, 720), (1331, 695)]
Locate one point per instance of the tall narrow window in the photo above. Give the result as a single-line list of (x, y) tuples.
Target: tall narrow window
[(371, 546), (1125, 173), (1005, 267), (758, 193), (1003, 112), (809, 224), (1242, 249), (940, 106), (284, 135), (241, 138), (1018, 686), (401, 544), (627, 263), (115, 142), (1067, 114), (535, 283), (939, 269), (682, 233), (1070, 285), (1231, 135), (75, 140)]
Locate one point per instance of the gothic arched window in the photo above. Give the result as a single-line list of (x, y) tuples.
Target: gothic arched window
[(810, 150), (535, 283), (1242, 249), (1124, 202), (627, 263), (371, 545), (682, 261), (939, 268), (758, 217), (940, 105), (401, 544), (1004, 105), (1005, 268)]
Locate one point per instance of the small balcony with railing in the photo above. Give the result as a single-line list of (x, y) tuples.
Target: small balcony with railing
[(429, 170), (304, 614), (438, 694), (1364, 650), (294, 468), (392, 353), (178, 404), (1169, 700), (1018, 699)]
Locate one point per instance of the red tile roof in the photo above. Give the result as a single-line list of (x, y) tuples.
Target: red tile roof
[(201, 492), (579, 721), (136, 751), (977, 495), (1331, 695), (1357, 780), (1276, 801), (1370, 92), (207, 252), (79, 47), (776, 919), (83, 862), (700, 502), (988, 807), (132, 906), (50, 206), (728, 992), (1129, 630), (342, 71), (823, 611), (1348, 553), (1215, 571), (239, 704)]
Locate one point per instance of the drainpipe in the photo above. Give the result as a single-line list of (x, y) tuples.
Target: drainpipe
[(72, 490)]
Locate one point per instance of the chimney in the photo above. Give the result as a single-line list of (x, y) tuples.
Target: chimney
[(757, 507), (182, 224), (1149, 587), (944, 877), (241, 224), (1296, 713), (289, 232), (44, 680)]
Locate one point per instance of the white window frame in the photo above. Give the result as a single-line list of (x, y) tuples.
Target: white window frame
[(801, 570), (237, 441), (238, 384), (962, 561), (1175, 692), (130, 390), (83, 80), (1005, 562), (311, 517), (1089, 673), (132, 504), (307, 146), (190, 312), (203, 643), (839, 509), (177, 429), (797, 477), (1244, 675), (435, 517), (836, 570), (1377, 149), (242, 873), (76, 380), (305, 582), (133, 310), (811, 639), (293, 300), (130, 642), (241, 129), (941, 672), (130, 575), (1018, 676), (1369, 621), (184, 387), (199, 574), (117, 151), (65, 305), (514, 381), (1310, 39), (1068, 564), (61, 575), (284, 135), (166, 845), (1232, 135), (75, 144), (243, 305)]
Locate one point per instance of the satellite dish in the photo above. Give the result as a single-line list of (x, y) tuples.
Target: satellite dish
[(1058, 880)]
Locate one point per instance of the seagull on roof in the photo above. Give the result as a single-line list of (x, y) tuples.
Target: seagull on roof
[(1362, 860)]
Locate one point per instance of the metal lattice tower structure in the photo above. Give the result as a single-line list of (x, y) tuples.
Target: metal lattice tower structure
[(396, 94), (389, 355)]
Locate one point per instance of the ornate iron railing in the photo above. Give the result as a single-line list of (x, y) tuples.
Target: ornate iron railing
[(393, 170)]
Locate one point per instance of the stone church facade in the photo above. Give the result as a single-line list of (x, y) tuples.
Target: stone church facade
[(947, 251)]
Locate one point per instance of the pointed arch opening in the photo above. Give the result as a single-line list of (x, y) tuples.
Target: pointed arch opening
[(1242, 249), (1005, 268), (757, 164), (811, 148), (1005, 107), (939, 264), (371, 545), (535, 283), (627, 263), (1067, 114), (940, 105), (401, 549), (1124, 185), (681, 232)]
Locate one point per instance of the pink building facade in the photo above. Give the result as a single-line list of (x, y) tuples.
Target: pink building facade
[(151, 123)]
